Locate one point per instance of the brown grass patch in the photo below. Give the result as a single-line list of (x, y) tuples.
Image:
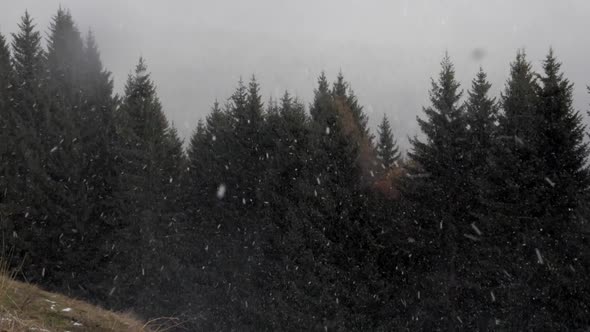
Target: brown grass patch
[(26, 307)]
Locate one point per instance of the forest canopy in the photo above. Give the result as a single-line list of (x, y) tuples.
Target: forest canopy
[(286, 214)]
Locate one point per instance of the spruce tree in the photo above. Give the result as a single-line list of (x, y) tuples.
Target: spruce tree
[(32, 194), (335, 200), (6, 76), (207, 159), (65, 51), (6, 86), (250, 133), (195, 154), (558, 238), (509, 191), (437, 181), (173, 171), (8, 134), (514, 183), (481, 114), (540, 139), (69, 161), (342, 89), (28, 56), (482, 132), (563, 150), (142, 240), (100, 147), (387, 149), (519, 100), (98, 133)]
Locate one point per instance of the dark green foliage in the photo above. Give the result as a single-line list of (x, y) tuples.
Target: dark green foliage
[(279, 219), (563, 155), (481, 115), (27, 53), (562, 148), (7, 132), (151, 168), (440, 184), (341, 89), (481, 139), (514, 184), (6, 76), (30, 188), (387, 149), (71, 193)]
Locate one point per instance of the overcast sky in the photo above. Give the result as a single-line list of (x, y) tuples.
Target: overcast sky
[(388, 49)]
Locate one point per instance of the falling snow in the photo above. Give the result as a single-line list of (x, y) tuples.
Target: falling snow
[(221, 191)]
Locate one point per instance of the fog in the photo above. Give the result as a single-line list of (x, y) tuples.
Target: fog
[(388, 50)]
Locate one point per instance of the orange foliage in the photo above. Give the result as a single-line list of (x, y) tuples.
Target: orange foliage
[(350, 127), (388, 183)]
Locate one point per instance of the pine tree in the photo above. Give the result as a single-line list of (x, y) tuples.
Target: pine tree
[(438, 184), (332, 193), (173, 169), (533, 215), (32, 193), (387, 149), (563, 150), (98, 133), (99, 148), (482, 132), (519, 100), (252, 135), (28, 57), (334, 163), (73, 200), (512, 185), (6, 86), (208, 158), (6, 76), (195, 166), (7, 134), (341, 89), (481, 114), (558, 238), (65, 51), (145, 131)]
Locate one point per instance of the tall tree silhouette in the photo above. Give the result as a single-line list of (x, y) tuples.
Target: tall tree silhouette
[(438, 179), (387, 149)]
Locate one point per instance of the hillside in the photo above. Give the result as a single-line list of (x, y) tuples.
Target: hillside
[(25, 307)]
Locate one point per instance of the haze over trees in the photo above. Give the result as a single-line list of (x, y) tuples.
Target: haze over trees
[(283, 215)]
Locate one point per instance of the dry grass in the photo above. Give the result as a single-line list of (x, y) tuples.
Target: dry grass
[(25, 307)]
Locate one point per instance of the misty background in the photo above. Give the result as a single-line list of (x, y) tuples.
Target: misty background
[(388, 50)]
